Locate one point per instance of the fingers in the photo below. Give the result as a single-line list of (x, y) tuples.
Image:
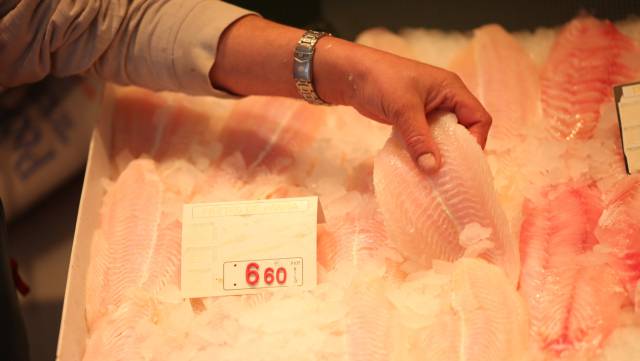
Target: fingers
[(415, 132), (466, 106), (473, 116)]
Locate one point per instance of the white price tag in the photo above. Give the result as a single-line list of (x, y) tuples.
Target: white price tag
[(628, 105), (632, 90), (231, 248)]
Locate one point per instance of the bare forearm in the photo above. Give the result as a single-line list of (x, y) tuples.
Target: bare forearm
[(255, 57)]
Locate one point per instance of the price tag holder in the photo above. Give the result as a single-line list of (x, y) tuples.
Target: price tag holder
[(246, 247), (627, 98)]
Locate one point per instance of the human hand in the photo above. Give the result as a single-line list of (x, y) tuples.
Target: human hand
[(397, 91)]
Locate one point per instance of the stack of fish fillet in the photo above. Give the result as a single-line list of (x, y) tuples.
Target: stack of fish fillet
[(527, 250)]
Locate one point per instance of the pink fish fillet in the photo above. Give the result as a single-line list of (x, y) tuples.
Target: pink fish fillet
[(271, 131), (619, 232), (425, 214), (589, 57), (573, 301), (145, 122), (504, 78), (139, 247)]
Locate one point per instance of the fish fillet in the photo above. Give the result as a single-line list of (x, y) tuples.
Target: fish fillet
[(464, 64), (160, 126), (354, 239), (355, 246), (116, 337), (140, 245), (589, 57), (425, 214), (504, 78), (368, 322), (618, 232), (411, 266), (572, 300), (469, 312), (270, 131)]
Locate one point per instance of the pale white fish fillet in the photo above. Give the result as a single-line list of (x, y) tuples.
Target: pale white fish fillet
[(354, 249), (142, 244), (485, 297), (425, 214), (96, 278), (368, 323), (501, 73), (503, 76), (508, 85), (163, 266), (435, 47), (356, 240), (470, 312), (116, 337), (537, 43)]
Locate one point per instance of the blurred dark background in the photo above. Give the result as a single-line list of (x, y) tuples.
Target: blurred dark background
[(348, 18)]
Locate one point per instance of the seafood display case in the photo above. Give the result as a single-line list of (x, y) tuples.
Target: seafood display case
[(527, 249)]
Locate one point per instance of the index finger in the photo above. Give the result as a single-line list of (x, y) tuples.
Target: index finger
[(468, 109), (473, 116)]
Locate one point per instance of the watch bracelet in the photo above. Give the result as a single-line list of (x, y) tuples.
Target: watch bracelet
[(303, 66)]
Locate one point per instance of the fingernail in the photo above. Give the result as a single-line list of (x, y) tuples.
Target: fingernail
[(427, 162)]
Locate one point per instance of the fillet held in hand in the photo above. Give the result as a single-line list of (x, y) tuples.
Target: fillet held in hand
[(425, 214)]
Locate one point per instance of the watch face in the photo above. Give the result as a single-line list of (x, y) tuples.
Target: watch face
[(301, 68)]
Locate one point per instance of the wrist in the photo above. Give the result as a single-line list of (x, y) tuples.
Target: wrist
[(336, 76)]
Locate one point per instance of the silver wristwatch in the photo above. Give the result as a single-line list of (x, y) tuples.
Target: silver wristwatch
[(302, 66)]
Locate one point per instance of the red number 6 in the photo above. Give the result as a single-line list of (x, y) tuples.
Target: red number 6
[(251, 274)]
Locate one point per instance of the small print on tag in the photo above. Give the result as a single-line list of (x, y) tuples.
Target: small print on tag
[(627, 97), (245, 247)]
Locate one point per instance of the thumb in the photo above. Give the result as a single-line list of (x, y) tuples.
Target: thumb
[(417, 137)]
